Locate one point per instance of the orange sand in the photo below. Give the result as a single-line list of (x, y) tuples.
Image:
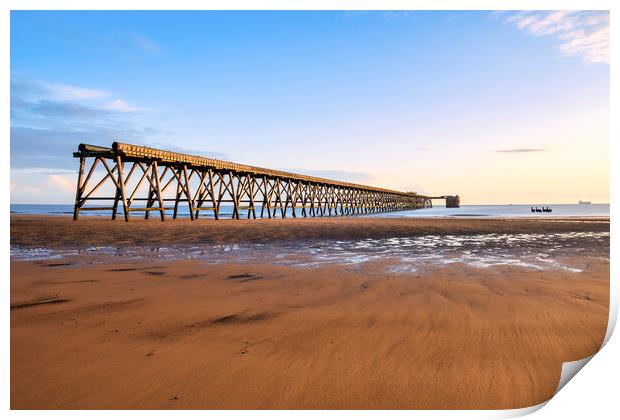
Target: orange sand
[(186, 334)]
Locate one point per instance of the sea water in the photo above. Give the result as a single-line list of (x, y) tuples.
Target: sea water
[(512, 211)]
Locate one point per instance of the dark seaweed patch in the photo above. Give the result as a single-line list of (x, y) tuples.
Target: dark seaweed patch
[(191, 276), (244, 277), (56, 264), (44, 301), (225, 319), (261, 316)]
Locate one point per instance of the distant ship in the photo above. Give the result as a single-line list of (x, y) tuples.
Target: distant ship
[(585, 202)]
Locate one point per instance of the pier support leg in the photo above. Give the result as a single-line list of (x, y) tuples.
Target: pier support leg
[(121, 186), (78, 192)]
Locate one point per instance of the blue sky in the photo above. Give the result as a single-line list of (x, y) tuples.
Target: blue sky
[(498, 107)]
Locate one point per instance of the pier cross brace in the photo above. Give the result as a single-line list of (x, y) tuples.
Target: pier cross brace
[(204, 184)]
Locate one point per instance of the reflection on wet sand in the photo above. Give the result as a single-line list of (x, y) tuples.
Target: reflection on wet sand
[(545, 251)]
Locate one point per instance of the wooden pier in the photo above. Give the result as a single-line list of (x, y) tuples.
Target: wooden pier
[(145, 180)]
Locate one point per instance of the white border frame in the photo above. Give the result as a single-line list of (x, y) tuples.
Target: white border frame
[(591, 394)]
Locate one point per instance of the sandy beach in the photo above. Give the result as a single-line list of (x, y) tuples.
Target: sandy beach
[(113, 330)]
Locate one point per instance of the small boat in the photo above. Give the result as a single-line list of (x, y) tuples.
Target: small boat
[(585, 202), (541, 210)]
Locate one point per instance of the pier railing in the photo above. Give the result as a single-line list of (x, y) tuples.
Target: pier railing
[(144, 180)]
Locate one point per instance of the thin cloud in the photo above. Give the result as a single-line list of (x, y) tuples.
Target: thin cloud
[(63, 92), (146, 45), (385, 14), (578, 33), (33, 90), (120, 106), (24, 189), (64, 183), (520, 150), (399, 14), (65, 109), (36, 101), (355, 13), (42, 170)]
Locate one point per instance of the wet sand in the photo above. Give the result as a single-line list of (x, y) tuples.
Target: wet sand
[(61, 231), (95, 332)]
